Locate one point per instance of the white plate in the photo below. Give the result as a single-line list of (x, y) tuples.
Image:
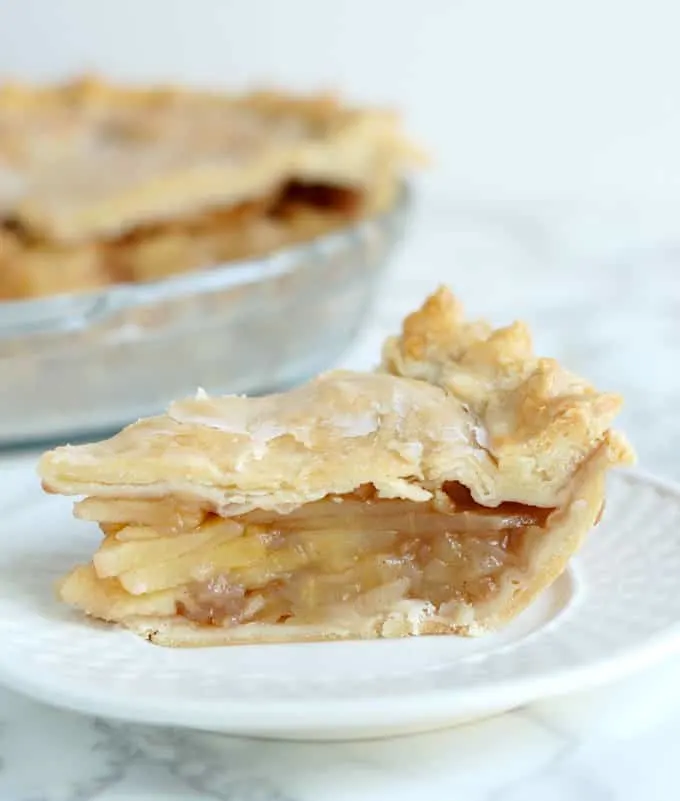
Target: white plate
[(617, 610)]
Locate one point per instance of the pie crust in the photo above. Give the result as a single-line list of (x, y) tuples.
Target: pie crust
[(102, 184), (440, 494)]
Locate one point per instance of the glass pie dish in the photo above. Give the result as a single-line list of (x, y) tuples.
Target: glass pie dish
[(75, 364)]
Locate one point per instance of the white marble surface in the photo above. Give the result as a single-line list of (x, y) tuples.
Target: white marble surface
[(614, 318), (613, 745)]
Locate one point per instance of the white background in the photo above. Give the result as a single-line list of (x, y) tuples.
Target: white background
[(559, 102)]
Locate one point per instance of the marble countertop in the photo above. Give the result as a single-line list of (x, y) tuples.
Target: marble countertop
[(607, 311)]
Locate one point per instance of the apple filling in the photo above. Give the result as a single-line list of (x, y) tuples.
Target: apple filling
[(354, 554)]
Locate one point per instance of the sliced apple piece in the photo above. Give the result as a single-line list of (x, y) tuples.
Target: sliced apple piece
[(106, 599), (199, 564), (115, 557)]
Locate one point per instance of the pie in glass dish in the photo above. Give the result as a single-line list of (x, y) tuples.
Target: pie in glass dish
[(103, 184), (439, 494)]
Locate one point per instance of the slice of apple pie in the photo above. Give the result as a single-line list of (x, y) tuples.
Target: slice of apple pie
[(439, 494)]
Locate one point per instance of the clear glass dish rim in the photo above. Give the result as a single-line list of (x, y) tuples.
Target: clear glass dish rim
[(66, 312)]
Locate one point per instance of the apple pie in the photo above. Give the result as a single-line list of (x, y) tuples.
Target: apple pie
[(102, 184), (439, 494)]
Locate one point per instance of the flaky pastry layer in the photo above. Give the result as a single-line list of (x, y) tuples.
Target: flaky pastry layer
[(455, 402)]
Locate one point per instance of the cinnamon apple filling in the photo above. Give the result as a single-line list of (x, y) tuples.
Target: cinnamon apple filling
[(320, 562)]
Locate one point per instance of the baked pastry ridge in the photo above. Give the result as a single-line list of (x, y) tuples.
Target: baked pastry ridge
[(439, 494)]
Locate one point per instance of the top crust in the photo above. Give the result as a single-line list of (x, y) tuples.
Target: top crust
[(453, 401), (89, 159)]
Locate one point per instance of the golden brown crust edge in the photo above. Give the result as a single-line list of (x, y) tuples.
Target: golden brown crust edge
[(540, 422)]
